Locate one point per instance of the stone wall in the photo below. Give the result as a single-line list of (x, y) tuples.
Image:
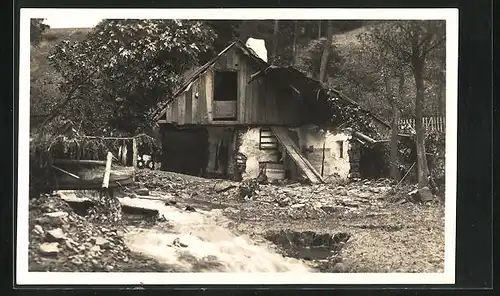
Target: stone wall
[(313, 141), (310, 140)]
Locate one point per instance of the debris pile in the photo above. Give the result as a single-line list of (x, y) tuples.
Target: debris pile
[(62, 240)]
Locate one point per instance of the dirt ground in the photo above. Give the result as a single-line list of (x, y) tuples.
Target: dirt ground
[(207, 225)]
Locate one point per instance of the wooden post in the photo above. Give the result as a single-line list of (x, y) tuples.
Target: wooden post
[(323, 159), (107, 171), (134, 157)]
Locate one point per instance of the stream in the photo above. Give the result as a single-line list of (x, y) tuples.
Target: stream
[(201, 241)]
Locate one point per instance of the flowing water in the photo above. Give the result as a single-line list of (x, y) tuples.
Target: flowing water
[(202, 241)]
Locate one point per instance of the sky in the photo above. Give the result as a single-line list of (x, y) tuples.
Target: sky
[(83, 21)]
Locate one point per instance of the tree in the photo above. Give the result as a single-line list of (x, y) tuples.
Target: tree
[(37, 27), (411, 43), (115, 77), (326, 52)]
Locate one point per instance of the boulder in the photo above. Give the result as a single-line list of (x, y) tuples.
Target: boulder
[(49, 249), (55, 235)]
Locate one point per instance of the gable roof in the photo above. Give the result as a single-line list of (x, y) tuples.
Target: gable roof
[(203, 69)]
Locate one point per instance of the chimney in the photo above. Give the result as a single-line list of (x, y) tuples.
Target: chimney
[(259, 47)]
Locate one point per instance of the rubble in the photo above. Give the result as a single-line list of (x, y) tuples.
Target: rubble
[(62, 240)]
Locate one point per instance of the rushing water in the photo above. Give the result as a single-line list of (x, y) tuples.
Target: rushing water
[(201, 241)]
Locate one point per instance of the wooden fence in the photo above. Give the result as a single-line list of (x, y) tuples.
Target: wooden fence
[(437, 123)]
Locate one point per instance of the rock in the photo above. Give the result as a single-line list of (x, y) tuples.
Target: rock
[(230, 210), (49, 249), (170, 203), (55, 235), (109, 268), (425, 194), (178, 243), (190, 209), (38, 229), (101, 242), (77, 261), (142, 191), (57, 214), (95, 249), (223, 186), (298, 206), (340, 267), (50, 221)]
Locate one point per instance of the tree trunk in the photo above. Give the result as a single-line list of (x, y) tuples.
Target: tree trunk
[(423, 170), (394, 159), (319, 29), (295, 35), (326, 52), (274, 52), (442, 95)]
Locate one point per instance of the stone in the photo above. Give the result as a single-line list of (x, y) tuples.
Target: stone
[(55, 235), (425, 194), (295, 206), (230, 210), (95, 249), (77, 261), (49, 249), (101, 242), (340, 267), (170, 203), (190, 209), (57, 214), (51, 221), (109, 268), (223, 186), (38, 229), (142, 191)]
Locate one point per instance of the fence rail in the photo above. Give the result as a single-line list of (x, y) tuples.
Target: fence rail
[(437, 123)]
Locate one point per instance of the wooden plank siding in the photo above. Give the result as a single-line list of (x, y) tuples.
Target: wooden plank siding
[(259, 103)]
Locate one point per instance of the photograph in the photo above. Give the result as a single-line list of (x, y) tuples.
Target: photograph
[(241, 146)]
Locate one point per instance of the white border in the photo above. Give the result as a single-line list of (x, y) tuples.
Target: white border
[(53, 278)]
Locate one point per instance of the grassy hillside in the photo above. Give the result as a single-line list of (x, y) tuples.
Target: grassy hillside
[(44, 78)]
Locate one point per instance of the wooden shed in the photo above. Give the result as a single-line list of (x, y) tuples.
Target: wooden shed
[(222, 92), (238, 105)]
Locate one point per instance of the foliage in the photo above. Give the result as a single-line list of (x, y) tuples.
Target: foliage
[(310, 58), (114, 77), (37, 27)]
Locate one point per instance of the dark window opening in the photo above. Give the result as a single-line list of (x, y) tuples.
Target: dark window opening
[(340, 144), (225, 86)]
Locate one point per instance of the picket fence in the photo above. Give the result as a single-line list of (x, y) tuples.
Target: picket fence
[(437, 123)]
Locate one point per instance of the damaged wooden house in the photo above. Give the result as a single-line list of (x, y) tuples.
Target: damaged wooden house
[(237, 116)]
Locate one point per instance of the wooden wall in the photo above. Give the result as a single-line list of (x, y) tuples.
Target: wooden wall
[(259, 102)]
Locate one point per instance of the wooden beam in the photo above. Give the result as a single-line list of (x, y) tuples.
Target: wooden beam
[(78, 161), (134, 156), (107, 171), (65, 172)]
